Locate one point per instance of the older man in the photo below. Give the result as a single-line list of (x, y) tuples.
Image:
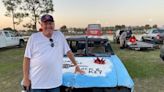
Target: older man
[(43, 59)]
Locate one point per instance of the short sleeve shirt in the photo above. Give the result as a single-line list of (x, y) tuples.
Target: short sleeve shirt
[(46, 61)]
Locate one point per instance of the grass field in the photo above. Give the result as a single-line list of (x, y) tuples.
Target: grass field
[(145, 67)]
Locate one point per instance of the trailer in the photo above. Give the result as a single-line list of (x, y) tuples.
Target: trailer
[(139, 45)]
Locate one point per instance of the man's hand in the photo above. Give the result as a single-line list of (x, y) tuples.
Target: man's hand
[(26, 83), (78, 70), (72, 58)]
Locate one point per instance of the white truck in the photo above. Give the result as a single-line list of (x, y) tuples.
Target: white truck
[(9, 38)]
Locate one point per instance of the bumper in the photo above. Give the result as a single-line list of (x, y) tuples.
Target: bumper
[(101, 89)]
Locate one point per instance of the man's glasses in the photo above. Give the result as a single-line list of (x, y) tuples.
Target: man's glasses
[(52, 42)]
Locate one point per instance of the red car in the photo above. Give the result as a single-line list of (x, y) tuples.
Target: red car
[(94, 30)]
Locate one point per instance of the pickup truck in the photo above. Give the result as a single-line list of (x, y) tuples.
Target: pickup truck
[(9, 38)]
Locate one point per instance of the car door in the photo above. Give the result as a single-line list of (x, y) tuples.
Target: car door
[(14, 39), (8, 39), (2, 40), (149, 34), (162, 36)]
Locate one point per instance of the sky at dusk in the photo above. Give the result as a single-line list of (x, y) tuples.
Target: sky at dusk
[(80, 13)]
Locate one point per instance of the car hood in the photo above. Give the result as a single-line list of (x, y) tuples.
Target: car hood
[(111, 74)]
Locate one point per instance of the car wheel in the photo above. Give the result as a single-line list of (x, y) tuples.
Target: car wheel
[(143, 39), (162, 57), (21, 43)]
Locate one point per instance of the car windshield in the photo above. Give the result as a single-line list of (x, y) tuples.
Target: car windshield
[(161, 30), (94, 26), (149, 31), (90, 47)]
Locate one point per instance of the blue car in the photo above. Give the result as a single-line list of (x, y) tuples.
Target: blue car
[(104, 71)]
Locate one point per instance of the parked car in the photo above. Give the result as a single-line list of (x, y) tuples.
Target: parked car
[(94, 30), (155, 35), (104, 71), (9, 38)]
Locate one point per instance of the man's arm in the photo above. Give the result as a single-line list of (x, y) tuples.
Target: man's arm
[(26, 68), (70, 55)]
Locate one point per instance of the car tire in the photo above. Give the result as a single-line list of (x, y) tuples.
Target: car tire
[(21, 43), (162, 57), (142, 38)]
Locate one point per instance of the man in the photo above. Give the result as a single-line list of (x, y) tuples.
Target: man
[(123, 39), (43, 59)]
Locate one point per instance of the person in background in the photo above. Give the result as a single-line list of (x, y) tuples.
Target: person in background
[(122, 39), (129, 33)]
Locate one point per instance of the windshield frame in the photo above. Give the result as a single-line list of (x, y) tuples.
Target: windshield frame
[(87, 41)]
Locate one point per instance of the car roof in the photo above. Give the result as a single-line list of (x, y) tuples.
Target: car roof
[(94, 24), (156, 29), (90, 38)]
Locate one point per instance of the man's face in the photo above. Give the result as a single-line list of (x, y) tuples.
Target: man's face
[(48, 26)]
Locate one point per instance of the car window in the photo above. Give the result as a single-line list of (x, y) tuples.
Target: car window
[(94, 26), (100, 48), (161, 31), (12, 34), (149, 31), (90, 48), (73, 45), (0, 33), (7, 34), (155, 31)]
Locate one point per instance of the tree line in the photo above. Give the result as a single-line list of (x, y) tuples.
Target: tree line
[(106, 30), (18, 10)]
